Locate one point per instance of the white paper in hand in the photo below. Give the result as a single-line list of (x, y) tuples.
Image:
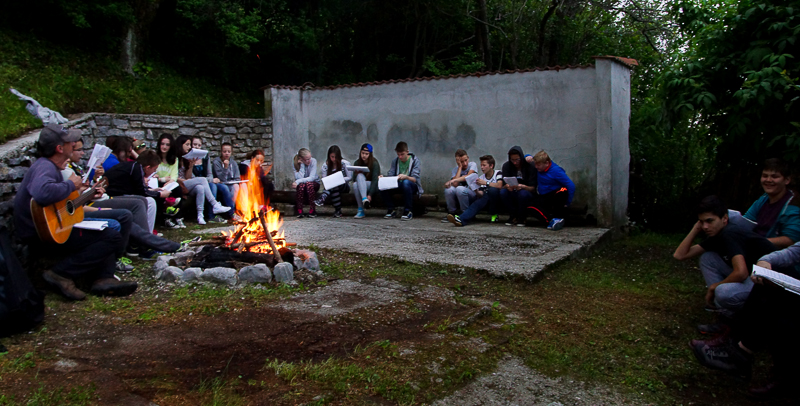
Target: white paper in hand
[(196, 153), (170, 186), (471, 181), (333, 180), (152, 182), (358, 168), (387, 182), (511, 181), (99, 155), (92, 225)]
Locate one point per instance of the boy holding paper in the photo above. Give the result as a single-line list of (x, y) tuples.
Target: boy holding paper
[(489, 184), (457, 192), (405, 170)]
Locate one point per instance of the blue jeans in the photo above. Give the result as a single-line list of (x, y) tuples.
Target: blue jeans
[(516, 202), (490, 197), (223, 195), (730, 296), (407, 188)]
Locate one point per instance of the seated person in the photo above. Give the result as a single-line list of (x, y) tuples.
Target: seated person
[(121, 149), (88, 253), (517, 198), (196, 186), (225, 168), (256, 165), (762, 324), (365, 184), (203, 168), (306, 183), (775, 217), (490, 182), (407, 169), (555, 191), (335, 163), (738, 248), (457, 193)]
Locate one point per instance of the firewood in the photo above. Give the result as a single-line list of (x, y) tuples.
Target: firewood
[(262, 217)]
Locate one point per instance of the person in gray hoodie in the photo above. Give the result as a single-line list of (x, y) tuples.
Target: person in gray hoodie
[(407, 169)]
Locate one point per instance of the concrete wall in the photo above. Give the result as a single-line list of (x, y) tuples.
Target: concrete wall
[(579, 115)]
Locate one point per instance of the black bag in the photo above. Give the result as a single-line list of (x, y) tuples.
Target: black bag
[(21, 305)]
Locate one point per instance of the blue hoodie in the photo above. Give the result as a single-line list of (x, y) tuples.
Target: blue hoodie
[(554, 178), (788, 222)]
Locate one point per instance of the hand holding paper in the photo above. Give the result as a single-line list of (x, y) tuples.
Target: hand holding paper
[(99, 155), (387, 182), (196, 153), (333, 180)]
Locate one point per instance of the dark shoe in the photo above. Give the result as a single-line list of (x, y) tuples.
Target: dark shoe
[(729, 358), (771, 390), (149, 255), (457, 221), (132, 251), (390, 214), (124, 265), (337, 213), (407, 216), (511, 221), (312, 214), (65, 285), (715, 329), (113, 287), (320, 201), (521, 222), (300, 214), (366, 203)]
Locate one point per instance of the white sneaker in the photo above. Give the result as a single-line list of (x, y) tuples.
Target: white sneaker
[(180, 224), (219, 208), (201, 220)]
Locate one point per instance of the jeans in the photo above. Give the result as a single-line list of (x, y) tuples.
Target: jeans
[(459, 196), (551, 205), (516, 202), (407, 188), (125, 219), (87, 252), (729, 296), (491, 196), (139, 206), (199, 188), (360, 188)]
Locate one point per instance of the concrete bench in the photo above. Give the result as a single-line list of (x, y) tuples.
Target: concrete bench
[(421, 203)]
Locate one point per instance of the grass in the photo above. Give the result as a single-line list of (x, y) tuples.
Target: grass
[(77, 396), (71, 80)]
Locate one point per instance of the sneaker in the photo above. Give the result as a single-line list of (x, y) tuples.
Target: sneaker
[(171, 211), (132, 251), (157, 234), (312, 214), (180, 224), (366, 203), (149, 254), (390, 214), (300, 214), (113, 287), (219, 208), (446, 219), (65, 285), (171, 224), (201, 220), (511, 221), (521, 222), (455, 220), (713, 329), (320, 201), (407, 216), (555, 224), (495, 218), (360, 214), (124, 265), (337, 213), (729, 358), (218, 219)]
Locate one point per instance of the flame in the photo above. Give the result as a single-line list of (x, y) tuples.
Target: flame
[(249, 202)]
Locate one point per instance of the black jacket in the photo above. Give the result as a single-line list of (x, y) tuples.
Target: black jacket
[(127, 178), (528, 170)]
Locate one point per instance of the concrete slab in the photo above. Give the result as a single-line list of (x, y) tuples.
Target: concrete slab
[(498, 249)]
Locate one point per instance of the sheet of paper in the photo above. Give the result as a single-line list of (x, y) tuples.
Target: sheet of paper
[(333, 180), (196, 153), (786, 281), (387, 182), (152, 183), (99, 155), (358, 168), (511, 181), (234, 182), (170, 186), (471, 178), (92, 225)]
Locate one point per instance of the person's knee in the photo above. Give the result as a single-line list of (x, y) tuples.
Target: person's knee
[(361, 176), (731, 295)]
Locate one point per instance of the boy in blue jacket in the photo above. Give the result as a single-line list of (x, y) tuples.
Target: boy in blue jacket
[(775, 217), (555, 191)]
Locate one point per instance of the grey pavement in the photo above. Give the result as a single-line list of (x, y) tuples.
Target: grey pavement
[(495, 248)]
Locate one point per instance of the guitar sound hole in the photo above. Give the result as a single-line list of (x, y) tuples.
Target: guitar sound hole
[(70, 208)]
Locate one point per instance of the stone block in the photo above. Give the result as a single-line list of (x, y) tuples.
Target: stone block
[(250, 143), (136, 124), (17, 185), (213, 130), (20, 161), (259, 130), (185, 123), (102, 120), (159, 125), (138, 134), (162, 263), (229, 130), (170, 274), (102, 131), (187, 131), (241, 136), (150, 136), (226, 138), (115, 131), (5, 172), (217, 137), (6, 188), (119, 123), (220, 275), (19, 172), (283, 272), (258, 273), (181, 258), (215, 143), (198, 125), (245, 130), (192, 274)]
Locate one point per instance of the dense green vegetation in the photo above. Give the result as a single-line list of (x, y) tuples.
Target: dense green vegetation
[(714, 95)]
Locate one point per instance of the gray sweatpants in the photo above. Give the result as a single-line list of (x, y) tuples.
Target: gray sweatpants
[(198, 187)]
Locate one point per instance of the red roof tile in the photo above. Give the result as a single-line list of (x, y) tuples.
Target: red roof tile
[(310, 86), (629, 62)]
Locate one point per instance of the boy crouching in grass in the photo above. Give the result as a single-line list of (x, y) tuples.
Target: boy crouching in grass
[(490, 182), (555, 192)]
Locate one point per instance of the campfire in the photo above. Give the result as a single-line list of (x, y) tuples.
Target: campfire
[(258, 228)]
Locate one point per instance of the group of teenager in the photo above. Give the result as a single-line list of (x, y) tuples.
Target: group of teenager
[(526, 185), (750, 308), (132, 196)]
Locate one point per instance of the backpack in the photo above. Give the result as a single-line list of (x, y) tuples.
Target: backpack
[(21, 305)]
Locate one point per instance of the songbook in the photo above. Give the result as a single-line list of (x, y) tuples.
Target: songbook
[(782, 280), (333, 180), (358, 168), (99, 155), (152, 182), (170, 186), (472, 181), (234, 182), (387, 182), (512, 181), (92, 225), (196, 153)]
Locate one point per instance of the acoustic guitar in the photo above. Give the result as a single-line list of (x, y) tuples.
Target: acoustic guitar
[(54, 222)]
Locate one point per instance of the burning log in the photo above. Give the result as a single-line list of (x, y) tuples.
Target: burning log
[(275, 252)]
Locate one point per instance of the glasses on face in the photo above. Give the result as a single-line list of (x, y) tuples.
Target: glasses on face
[(516, 160)]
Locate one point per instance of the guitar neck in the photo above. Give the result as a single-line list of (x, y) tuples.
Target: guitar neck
[(86, 196)]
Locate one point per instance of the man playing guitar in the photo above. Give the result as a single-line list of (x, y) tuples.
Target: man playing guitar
[(87, 253)]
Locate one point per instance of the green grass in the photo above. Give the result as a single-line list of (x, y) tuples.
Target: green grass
[(72, 80), (77, 396)]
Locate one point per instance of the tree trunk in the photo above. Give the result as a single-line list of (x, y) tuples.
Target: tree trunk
[(484, 29), (543, 30), (135, 33)]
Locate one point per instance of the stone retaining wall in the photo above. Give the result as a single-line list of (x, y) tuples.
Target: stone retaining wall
[(17, 155)]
